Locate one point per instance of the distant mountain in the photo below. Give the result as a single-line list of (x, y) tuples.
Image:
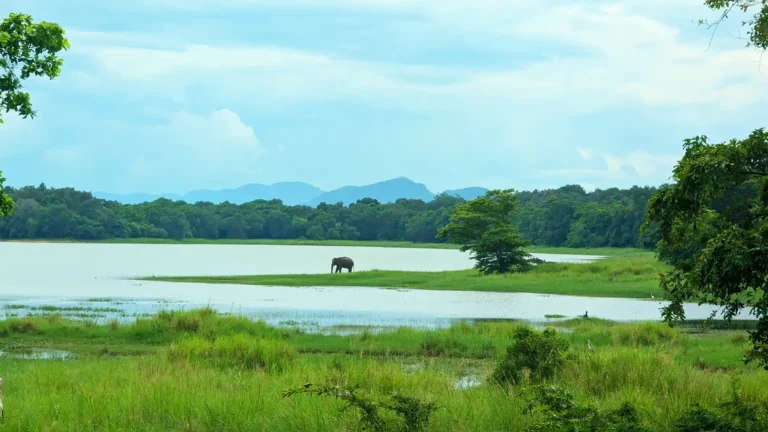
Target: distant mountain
[(296, 193), (384, 192), (291, 193), (468, 194)]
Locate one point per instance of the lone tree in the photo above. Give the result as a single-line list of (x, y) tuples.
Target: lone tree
[(484, 227), (26, 49), (729, 267), (714, 220)]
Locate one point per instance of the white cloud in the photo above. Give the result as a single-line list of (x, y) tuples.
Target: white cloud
[(585, 153), (219, 140), (638, 164), (631, 58)]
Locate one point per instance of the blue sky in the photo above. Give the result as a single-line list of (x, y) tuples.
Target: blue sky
[(174, 95)]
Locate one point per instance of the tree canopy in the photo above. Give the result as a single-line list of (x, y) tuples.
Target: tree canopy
[(757, 26), (713, 223), (567, 216), (26, 49), (485, 227)]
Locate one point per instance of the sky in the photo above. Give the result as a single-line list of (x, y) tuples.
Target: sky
[(164, 96)]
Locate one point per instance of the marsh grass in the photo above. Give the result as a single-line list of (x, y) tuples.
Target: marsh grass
[(204, 371), (633, 277), (237, 351)]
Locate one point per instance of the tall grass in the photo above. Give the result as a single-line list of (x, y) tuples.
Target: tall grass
[(215, 372), (237, 351), (161, 393)]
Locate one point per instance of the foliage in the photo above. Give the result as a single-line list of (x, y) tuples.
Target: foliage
[(26, 49), (731, 269), (414, 414), (485, 227), (541, 354), (49, 213), (560, 413), (734, 415), (757, 25), (6, 203)]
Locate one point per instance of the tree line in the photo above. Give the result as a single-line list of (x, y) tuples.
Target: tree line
[(568, 216)]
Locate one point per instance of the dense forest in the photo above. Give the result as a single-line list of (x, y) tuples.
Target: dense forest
[(567, 216)]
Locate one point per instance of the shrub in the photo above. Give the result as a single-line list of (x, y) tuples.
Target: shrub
[(734, 415), (26, 326), (410, 413), (540, 353), (560, 413)]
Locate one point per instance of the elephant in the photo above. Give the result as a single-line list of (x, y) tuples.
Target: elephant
[(342, 262)]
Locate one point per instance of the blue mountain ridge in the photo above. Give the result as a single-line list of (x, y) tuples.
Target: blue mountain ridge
[(299, 193)]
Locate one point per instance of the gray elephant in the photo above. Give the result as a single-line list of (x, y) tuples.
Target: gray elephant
[(342, 262)]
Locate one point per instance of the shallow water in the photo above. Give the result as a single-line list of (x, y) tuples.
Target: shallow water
[(39, 354), (67, 275), (467, 382)]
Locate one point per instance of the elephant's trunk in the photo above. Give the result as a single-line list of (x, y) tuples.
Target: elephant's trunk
[(331, 268)]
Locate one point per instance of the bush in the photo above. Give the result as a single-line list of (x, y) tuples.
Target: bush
[(541, 354), (238, 351), (25, 326), (734, 415), (560, 413), (410, 413)]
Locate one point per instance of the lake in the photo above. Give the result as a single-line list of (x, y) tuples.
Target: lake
[(73, 276)]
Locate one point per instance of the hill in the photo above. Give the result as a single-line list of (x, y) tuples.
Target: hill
[(384, 192), (291, 193), (468, 194), (296, 193)]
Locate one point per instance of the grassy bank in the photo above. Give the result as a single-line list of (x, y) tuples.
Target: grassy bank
[(613, 252), (202, 371), (620, 277)]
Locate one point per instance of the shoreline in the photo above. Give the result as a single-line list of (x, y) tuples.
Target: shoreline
[(602, 252)]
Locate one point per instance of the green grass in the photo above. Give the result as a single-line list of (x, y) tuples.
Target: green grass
[(202, 371), (619, 277)]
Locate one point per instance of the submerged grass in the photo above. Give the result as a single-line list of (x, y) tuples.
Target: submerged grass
[(204, 371), (633, 277)]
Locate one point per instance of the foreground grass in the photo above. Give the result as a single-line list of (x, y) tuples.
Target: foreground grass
[(203, 371), (620, 277)]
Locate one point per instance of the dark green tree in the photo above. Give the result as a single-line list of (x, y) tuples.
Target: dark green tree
[(725, 250), (485, 227), (26, 49)]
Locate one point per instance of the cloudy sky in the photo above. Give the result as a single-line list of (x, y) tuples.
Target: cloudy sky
[(174, 95)]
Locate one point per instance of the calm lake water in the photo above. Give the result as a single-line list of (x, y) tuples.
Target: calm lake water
[(68, 275)]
